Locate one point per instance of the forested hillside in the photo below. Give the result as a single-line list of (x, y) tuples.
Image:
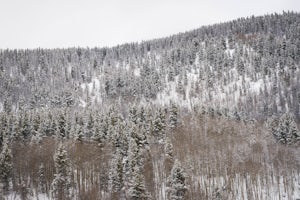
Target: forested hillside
[(211, 113)]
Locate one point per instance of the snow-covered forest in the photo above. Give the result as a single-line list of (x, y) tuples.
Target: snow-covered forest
[(211, 113)]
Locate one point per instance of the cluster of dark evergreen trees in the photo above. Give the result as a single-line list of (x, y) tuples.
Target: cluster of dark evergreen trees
[(85, 124), (127, 134)]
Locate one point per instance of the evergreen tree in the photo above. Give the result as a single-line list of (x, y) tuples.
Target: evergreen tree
[(169, 154), (142, 115), (135, 157), (169, 149), (137, 189), (173, 116), (133, 115), (116, 178), (62, 183), (37, 131), (5, 165), (139, 135), (26, 128), (36, 123), (53, 127), (177, 186), (61, 126), (10, 126), (113, 117), (159, 125), (287, 130), (17, 135), (119, 137), (98, 135), (89, 126), (104, 127), (3, 128)]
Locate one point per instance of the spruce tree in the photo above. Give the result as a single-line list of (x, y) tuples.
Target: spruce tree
[(133, 115), (137, 189), (61, 126), (159, 125), (5, 165), (134, 155), (139, 135), (104, 127), (116, 178), (89, 126), (98, 135), (3, 128), (26, 129), (62, 184), (287, 130), (173, 116), (16, 134), (177, 186), (142, 115), (169, 155)]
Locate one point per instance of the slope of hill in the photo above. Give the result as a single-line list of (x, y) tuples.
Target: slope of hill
[(249, 65), (207, 114)]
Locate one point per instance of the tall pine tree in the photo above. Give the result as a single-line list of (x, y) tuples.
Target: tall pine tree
[(62, 183)]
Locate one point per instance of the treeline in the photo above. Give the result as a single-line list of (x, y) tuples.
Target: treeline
[(85, 124)]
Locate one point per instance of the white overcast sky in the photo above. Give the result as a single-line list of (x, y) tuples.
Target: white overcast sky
[(69, 23)]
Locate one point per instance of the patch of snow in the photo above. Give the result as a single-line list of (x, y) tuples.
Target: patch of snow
[(82, 103), (137, 72), (127, 67), (14, 196), (83, 86), (69, 69), (256, 86), (230, 52)]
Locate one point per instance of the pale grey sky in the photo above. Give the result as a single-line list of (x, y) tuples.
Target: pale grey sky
[(69, 23)]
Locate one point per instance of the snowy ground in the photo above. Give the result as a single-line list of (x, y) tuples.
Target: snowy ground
[(243, 187)]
